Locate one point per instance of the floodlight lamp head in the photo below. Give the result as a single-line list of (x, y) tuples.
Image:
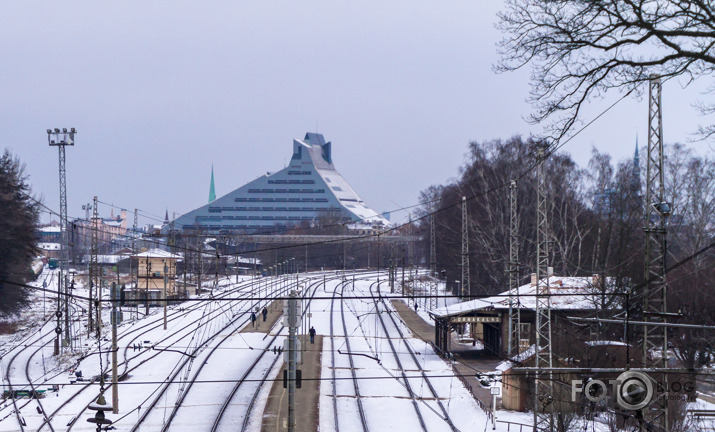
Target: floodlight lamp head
[(663, 208), (73, 130), (49, 131), (57, 130), (64, 130)]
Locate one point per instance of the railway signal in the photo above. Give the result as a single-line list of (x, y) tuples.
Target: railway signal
[(292, 319)]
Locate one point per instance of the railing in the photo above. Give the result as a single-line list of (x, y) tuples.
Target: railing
[(487, 410), (522, 427), (469, 387)]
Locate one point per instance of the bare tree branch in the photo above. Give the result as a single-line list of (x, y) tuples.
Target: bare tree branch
[(579, 50)]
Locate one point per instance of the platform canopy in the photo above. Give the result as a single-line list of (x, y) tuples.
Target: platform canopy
[(568, 293)]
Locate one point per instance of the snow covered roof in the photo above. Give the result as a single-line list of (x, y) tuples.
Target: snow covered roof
[(569, 293), (606, 343), (243, 260), (517, 359), (49, 246), (106, 259), (366, 225), (50, 229), (157, 253)]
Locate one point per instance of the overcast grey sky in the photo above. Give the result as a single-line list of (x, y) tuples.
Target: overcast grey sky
[(160, 90)]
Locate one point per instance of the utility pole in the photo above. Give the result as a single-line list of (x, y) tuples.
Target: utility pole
[(655, 338), (61, 139), (148, 275), (543, 385), (392, 268), (98, 307), (432, 248), (378, 262), (513, 274), (368, 255), (116, 319), (402, 285), (201, 264), (135, 228), (93, 265), (255, 259), (465, 250), (135, 251), (292, 320), (432, 263), (166, 278)]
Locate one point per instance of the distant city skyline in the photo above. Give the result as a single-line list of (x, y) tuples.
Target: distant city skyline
[(160, 91)]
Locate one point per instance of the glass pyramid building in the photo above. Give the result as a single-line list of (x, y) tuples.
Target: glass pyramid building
[(307, 189)]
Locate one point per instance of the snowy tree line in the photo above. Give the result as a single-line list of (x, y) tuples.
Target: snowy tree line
[(595, 218)]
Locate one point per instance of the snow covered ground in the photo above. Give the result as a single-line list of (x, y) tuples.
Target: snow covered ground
[(386, 401), (192, 368)]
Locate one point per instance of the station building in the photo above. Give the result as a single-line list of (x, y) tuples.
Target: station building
[(156, 276), (309, 188), (486, 319)]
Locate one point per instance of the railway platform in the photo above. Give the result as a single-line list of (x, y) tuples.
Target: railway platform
[(275, 414), (275, 311)]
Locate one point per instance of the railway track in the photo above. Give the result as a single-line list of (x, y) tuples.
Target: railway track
[(356, 386), (36, 338), (175, 410), (262, 378), (445, 415), (406, 382), (138, 334), (175, 336)]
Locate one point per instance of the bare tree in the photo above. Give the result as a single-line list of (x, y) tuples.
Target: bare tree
[(579, 50)]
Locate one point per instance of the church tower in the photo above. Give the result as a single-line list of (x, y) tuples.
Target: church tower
[(212, 189), (636, 179)]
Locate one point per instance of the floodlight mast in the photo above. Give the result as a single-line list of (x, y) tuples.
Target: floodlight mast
[(433, 302), (58, 139), (513, 274), (465, 252), (655, 338), (543, 386)]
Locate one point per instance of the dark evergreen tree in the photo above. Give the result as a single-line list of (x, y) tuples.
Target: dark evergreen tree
[(18, 223)]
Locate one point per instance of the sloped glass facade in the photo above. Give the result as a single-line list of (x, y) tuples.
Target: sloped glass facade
[(306, 189)]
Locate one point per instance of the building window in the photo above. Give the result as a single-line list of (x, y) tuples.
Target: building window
[(525, 329)]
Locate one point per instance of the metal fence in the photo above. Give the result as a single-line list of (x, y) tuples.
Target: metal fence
[(512, 426)]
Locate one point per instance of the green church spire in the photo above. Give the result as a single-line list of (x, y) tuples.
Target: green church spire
[(212, 189)]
